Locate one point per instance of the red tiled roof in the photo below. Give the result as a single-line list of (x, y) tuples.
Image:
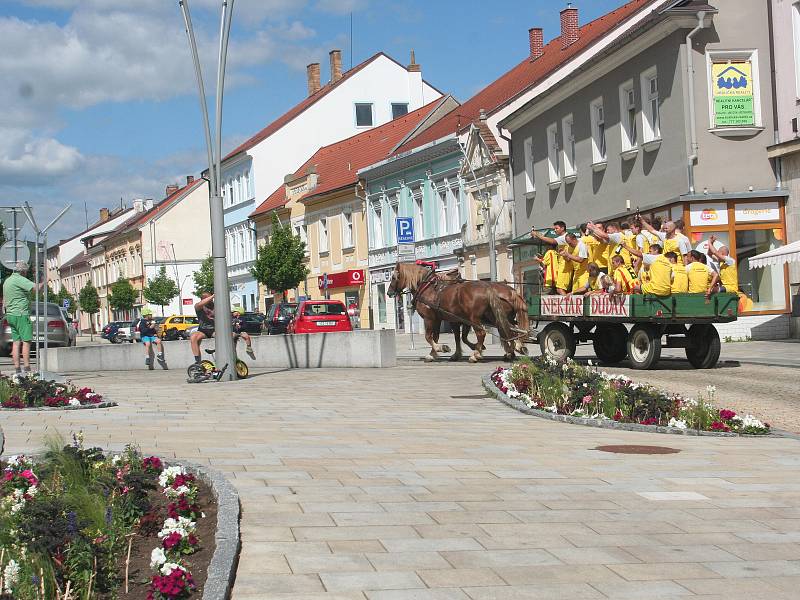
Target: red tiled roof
[(306, 103), (524, 76), (337, 164)]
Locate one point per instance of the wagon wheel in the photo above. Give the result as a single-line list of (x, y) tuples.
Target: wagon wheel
[(557, 341), (609, 343), (644, 346), (704, 346)]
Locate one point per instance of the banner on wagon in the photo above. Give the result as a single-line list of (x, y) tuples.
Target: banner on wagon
[(606, 305), (562, 306)]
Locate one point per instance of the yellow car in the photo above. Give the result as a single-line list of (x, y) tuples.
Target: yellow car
[(177, 327)]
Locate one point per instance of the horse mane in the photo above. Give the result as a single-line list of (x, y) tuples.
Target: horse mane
[(413, 274)]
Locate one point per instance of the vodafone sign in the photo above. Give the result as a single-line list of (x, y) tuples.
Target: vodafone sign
[(345, 279)]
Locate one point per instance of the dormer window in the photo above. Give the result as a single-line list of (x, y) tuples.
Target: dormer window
[(364, 117)]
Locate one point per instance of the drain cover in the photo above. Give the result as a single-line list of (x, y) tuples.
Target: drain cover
[(633, 449)]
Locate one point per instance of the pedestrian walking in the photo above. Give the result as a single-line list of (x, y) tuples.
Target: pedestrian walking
[(17, 303), (149, 336)]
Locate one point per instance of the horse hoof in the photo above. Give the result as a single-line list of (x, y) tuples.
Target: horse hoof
[(474, 359), (508, 357), (524, 351), (429, 359), (445, 348), (455, 358)]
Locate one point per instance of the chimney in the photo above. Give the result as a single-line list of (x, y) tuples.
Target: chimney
[(171, 189), (103, 215), (189, 179), (413, 67), (569, 26), (138, 205), (312, 74), (336, 65), (148, 203), (536, 40)]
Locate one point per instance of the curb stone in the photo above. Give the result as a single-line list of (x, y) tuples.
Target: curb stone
[(38, 408), (493, 390)]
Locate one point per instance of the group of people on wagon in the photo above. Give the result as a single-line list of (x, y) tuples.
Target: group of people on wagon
[(633, 257)]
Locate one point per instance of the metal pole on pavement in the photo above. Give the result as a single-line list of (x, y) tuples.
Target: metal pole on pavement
[(222, 301)]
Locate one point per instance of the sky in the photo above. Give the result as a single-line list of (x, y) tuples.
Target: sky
[(99, 101)]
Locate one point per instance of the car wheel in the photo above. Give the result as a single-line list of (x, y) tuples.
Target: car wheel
[(5, 350), (114, 339)]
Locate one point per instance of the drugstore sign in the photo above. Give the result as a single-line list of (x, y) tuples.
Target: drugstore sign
[(757, 211), (732, 87)]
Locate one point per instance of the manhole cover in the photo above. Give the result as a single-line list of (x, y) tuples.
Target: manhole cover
[(633, 449)]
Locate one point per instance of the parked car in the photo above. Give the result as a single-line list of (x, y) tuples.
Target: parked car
[(320, 316), (252, 323), (176, 327), (51, 323), (278, 317)]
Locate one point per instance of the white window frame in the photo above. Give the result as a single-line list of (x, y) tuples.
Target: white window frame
[(629, 132), (355, 114), (322, 234), (568, 145), (796, 36), (419, 214), (442, 201), (597, 114), (392, 201), (347, 229), (713, 56), (530, 179), (553, 156), (377, 225), (651, 118), (454, 199)]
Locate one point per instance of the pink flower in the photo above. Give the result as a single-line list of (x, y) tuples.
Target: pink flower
[(726, 415), (719, 426), (587, 399)]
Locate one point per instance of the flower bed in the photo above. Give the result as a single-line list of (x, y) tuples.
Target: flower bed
[(585, 392), (32, 392), (78, 524)]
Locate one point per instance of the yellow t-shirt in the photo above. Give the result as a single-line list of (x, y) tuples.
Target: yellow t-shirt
[(580, 270), (680, 279), (647, 239), (550, 264), (597, 251), (624, 280), (729, 276), (699, 278), (615, 247), (660, 283)]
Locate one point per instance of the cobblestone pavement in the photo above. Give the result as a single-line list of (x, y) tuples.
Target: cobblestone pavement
[(409, 483)]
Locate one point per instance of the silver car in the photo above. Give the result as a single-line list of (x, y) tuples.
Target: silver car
[(51, 323)]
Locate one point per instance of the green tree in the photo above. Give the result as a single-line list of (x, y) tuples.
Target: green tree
[(122, 296), (204, 277), (161, 289), (89, 302), (279, 265)]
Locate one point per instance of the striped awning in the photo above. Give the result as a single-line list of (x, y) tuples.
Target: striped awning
[(778, 256)]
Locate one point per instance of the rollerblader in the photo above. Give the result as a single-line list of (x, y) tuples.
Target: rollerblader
[(147, 330)]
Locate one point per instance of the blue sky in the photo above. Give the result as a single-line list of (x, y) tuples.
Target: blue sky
[(99, 98)]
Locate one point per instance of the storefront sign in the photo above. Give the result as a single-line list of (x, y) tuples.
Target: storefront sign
[(562, 306), (712, 213), (187, 301), (732, 86), (345, 279), (758, 211), (605, 305), (384, 276)]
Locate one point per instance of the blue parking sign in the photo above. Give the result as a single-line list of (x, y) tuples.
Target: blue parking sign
[(65, 302), (405, 230)]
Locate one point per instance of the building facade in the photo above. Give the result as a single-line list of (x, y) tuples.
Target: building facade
[(672, 118), (368, 95)]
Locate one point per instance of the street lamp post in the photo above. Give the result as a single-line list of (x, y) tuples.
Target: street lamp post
[(222, 301)]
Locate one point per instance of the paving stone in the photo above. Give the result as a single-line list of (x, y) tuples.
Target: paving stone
[(450, 577), (370, 580)]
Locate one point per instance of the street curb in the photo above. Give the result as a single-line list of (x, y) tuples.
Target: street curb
[(43, 408), (493, 390)]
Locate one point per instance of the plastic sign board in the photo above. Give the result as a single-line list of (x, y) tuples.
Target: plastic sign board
[(353, 277), (562, 306), (732, 87), (605, 305), (709, 214), (65, 302), (405, 230), (187, 301), (757, 211)]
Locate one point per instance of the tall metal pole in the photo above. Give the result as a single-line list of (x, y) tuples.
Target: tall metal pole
[(222, 301)]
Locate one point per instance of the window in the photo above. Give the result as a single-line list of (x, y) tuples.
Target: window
[(323, 234), (734, 98), (553, 153), (363, 114), (598, 116), (444, 219), (651, 126), (766, 287), (377, 226), (248, 185), (456, 195), (530, 182), (347, 229), (568, 132), (392, 218), (399, 109), (381, 303), (627, 102), (419, 215)]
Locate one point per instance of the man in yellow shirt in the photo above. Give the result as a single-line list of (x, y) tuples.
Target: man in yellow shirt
[(660, 283), (615, 240), (670, 240), (549, 264), (726, 277), (597, 282), (642, 237), (578, 255), (564, 267), (680, 279), (598, 249), (624, 276), (698, 272)]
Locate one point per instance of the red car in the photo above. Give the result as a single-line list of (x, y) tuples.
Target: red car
[(320, 316)]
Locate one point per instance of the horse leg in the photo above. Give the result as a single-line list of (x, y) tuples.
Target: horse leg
[(432, 337), (457, 335), (476, 356)]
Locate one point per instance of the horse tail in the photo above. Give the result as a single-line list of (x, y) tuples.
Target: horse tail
[(521, 310), (499, 308)]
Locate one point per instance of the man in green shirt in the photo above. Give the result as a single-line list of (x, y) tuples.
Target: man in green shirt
[(17, 304)]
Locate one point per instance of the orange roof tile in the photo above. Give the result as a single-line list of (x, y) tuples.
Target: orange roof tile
[(524, 76), (337, 164)]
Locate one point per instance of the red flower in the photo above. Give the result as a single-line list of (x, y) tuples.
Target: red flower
[(618, 415), (726, 415), (152, 463), (650, 421), (719, 426), (172, 540)]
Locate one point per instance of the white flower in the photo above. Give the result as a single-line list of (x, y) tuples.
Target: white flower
[(589, 362), (553, 409), (169, 474), (33, 490), (676, 423), (176, 492), (157, 558), (711, 389), (181, 525), (74, 402), (750, 421), (168, 568), (10, 576)]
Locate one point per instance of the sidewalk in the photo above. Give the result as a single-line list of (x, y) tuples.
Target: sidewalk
[(776, 353)]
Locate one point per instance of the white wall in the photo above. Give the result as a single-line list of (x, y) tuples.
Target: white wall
[(182, 274)]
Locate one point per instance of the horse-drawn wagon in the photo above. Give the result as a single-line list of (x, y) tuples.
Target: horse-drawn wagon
[(676, 321)]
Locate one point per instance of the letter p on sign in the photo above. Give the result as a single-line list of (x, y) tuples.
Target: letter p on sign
[(404, 226)]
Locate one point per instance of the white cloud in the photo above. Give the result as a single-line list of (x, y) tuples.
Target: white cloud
[(34, 159)]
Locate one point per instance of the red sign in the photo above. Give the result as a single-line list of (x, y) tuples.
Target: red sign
[(345, 279), (187, 301), (562, 306), (605, 305)]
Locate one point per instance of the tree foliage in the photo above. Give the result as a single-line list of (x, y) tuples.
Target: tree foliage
[(204, 277), (279, 265), (88, 300), (161, 290), (122, 296)]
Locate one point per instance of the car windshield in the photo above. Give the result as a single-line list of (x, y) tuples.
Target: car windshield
[(52, 310), (314, 310), (287, 310), (159, 320), (125, 323)]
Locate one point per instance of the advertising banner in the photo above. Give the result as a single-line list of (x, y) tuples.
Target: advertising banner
[(732, 87), (562, 306), (707, 214), (606, 305), (757, 211)]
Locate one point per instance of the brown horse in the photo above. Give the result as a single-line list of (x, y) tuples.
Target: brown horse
[(465, 304)]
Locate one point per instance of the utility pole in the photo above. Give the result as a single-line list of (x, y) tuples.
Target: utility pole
[(222, 300)]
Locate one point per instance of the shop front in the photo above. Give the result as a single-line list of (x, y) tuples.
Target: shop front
[(349, 287)]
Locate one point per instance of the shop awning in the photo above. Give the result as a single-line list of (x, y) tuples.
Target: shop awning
[(778, 256)]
